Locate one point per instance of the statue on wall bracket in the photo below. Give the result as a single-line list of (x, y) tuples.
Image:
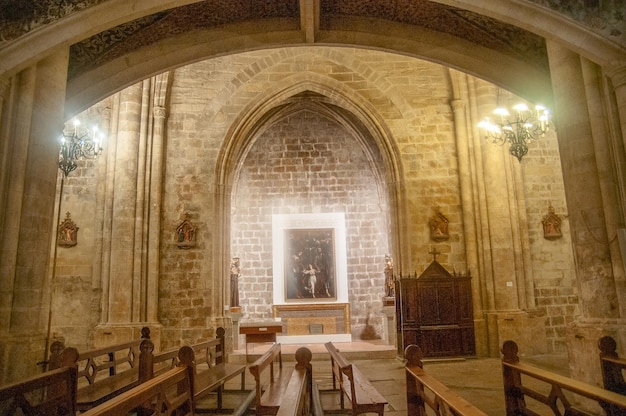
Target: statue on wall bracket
[(235, 271), (390, 282), (185, 234), (551, 225), (68, 232), (438, 225)]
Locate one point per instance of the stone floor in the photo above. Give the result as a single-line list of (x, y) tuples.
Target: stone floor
[(478, 380)]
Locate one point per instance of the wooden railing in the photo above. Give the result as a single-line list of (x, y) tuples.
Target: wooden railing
[(560, 395), (422, 389)]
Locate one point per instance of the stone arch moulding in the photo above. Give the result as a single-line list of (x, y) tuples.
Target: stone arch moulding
[(239, 140)]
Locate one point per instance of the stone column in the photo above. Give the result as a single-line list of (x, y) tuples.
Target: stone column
[(28, 205), (578, 95), (617, 184), (582, 186)]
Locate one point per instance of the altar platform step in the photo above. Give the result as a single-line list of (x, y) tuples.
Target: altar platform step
[(355, 350)]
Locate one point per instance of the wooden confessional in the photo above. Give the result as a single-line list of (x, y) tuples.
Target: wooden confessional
[(434, 312)]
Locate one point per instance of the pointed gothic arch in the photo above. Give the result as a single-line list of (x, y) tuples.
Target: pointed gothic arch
[(334, 101)]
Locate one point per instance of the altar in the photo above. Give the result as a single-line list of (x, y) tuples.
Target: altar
[(260, 330), (313, 323), (310, 278)]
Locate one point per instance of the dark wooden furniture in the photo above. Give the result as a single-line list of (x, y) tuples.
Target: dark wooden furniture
[(354, 385), (422, 389), (154, 364), (103, 373), (611, 365), (260, 332), (434, 311), (558, 390), (210, 369), (289, 389), (50, 393), (169, 394)]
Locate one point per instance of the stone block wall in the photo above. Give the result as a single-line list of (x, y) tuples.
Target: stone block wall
[(307, 163)]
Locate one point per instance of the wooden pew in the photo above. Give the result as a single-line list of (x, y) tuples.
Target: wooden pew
[(289, 390), (211, 371), (515, 392), (151, 364), (611, 366), (50, 393), (357, 388), (103, 373), (422, 389), (170, 393)]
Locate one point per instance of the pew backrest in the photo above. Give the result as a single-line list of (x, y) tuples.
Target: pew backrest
[(103, 373), (153, 364), (50, 393), (422, 389), (362, 394), (562, 390), (167, 394), (210, 369), (289, 390), (611, 365)]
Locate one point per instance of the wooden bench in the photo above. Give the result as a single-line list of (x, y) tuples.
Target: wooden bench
[(210, 369), (50, 393), (152, 364), (516, 393), (422, 390), (612, 366), (288, 390), (357, 388), (170, 393), (103, 373)]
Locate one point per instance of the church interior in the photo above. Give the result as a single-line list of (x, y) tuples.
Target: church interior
[(308, 161)]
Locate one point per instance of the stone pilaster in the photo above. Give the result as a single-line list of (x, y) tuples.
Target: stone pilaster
[(459, 110), (121, 292), (582, 186), (498, 236), (574, 95), (29, 206), (154, 220)]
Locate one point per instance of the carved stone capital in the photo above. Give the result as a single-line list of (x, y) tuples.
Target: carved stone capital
[(457, 105), (159, 112), (617, 75), (4, 86)]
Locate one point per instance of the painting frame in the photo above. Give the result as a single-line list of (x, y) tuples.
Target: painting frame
[(281, 222), (309, 265)]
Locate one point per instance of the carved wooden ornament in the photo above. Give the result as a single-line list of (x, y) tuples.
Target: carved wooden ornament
[(185, 234), (68, 232)]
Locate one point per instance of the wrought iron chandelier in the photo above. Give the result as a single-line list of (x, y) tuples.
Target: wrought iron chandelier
[(518, 129), (77, 144)]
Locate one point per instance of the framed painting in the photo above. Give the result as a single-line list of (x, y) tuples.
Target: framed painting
[(297, 239), (309, 265)]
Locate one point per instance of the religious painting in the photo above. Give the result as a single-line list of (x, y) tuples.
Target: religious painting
[(309, 264)]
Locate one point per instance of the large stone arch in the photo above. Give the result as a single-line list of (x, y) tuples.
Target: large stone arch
[(513, 74)]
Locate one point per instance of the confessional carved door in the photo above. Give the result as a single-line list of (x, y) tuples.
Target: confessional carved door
[(434, 311)]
